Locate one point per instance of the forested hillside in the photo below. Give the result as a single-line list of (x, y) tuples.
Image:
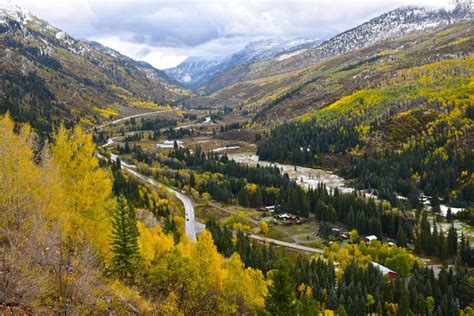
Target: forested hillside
[(100, 215), (307, 286), (72, 243), (279, 89), (47, 76), (413, 133)]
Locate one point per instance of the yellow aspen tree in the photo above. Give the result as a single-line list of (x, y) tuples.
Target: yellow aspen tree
[(87, 186), (247, 284), (154, 243), (264, 227), (19, 176)]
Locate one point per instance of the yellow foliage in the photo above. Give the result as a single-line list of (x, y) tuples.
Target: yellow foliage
[(264, 227), (20, 179), (87, 187), (238, 280), (150, 105), (179, 220), (251, 188), (448, 82), (131, 295), (239, 218), (240, 226), (154, 244), (303, 289), (107, 112), (362, 130), (70, 189), (396, 258), (203, 277)]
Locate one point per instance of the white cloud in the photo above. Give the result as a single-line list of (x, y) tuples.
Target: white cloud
[(164, 32)]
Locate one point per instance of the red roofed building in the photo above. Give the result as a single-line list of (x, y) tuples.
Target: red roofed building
[(392, 275)]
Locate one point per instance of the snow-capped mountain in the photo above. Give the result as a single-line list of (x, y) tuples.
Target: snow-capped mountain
[(286, 55), (384, 28), (196, 71), (48, 75), (15, 13), (269, 48), (151, 72), (393, 24), (14, 18), (193, 71)]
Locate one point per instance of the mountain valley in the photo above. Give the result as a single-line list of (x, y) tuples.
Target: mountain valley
[(294, 176)]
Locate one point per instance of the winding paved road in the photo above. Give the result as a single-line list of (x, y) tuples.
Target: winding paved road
[(134, 116), (206, 121), (191, 226)]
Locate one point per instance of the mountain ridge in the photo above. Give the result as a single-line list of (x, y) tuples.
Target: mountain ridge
[(72, 80), (260, 85), (196, 71)]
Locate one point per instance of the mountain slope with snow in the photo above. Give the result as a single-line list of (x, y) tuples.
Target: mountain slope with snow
[(391, 25), (47, 76), (292, 83), (196, 71)]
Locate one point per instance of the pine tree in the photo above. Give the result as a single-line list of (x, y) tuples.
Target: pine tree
[(449, 215), (341, 311), (125, 240), (350, 218), (401, 237), (435, 204), (306, 305), (452, 241), (404, 304), (281, 299)]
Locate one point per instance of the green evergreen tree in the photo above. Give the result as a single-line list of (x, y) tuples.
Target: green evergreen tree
[(125, 240), (341, 311), (281, 298), (401, 237), (435, 204), (307, 305), (452, 241), (404, 304)]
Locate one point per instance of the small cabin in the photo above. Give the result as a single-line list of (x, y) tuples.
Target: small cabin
[(336, 232), (392, 275), (169, 144), (269, 209), (369, 239)]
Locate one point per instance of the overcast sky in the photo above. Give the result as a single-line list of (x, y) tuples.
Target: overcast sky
[(164, 33)]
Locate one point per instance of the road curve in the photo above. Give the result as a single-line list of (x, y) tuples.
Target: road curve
[(207, 121), (191, 226), (134, 116)]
